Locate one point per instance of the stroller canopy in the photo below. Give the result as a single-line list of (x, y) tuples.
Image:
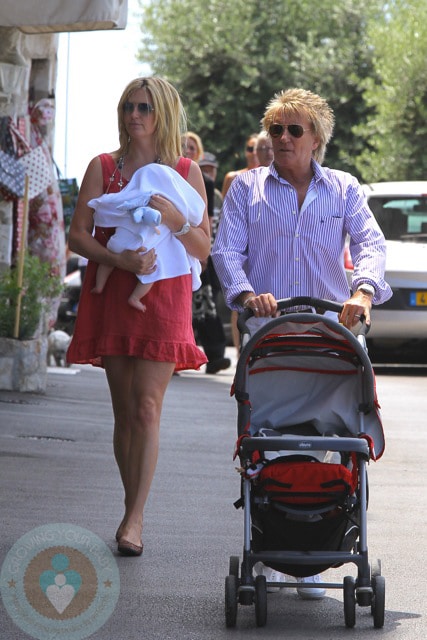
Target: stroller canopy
[(305, 371)]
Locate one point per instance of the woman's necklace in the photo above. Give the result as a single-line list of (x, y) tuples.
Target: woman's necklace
[(119, 167)]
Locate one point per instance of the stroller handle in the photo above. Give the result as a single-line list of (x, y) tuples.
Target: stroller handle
[(318, 304)]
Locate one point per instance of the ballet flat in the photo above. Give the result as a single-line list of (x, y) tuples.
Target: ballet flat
[(126, 548)]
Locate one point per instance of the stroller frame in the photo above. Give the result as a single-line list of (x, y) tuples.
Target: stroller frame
[(363, 439)]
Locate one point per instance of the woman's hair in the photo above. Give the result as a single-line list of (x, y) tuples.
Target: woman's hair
[(301, 102), (197, 141), (169, 117)]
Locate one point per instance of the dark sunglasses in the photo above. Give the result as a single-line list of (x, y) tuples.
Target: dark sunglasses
[(250, 148), (143, 107), (277, 130)]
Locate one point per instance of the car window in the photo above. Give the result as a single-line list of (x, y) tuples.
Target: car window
[(401, 218)]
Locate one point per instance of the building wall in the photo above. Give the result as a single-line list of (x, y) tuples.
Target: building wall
[(28, 67)]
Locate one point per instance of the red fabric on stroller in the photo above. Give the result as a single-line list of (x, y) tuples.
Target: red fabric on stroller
[(306, 482)]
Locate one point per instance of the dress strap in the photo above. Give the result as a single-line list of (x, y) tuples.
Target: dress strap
[(183, 167)]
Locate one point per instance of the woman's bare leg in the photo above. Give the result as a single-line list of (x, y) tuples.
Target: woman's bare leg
[(119, 370), (137, 391)]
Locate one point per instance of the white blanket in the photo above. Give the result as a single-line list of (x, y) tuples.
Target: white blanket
[(172, 258)]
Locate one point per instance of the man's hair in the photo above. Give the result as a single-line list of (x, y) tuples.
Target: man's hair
[(300, 101)]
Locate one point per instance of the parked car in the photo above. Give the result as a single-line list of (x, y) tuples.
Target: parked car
[(401, 211)]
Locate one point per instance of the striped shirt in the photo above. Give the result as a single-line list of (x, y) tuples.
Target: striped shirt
[(266, 244)]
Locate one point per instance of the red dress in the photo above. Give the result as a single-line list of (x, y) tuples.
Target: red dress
[(106, 324)]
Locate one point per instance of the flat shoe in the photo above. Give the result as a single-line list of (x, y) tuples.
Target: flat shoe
[(126, 548)]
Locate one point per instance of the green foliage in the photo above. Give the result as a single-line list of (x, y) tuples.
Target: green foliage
[(228, 59), (396, 130), (38, 286)]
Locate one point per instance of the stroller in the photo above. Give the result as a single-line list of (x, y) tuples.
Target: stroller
[(308, 424)]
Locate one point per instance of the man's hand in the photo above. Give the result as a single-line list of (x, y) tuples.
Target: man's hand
[(359, 304), (264, 305)]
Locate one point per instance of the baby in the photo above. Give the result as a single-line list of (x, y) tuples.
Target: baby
[(138, 224)]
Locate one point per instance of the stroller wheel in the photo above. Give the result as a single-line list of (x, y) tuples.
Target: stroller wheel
[(378, 601), (349, 595), (231, 585), (234, 566), (260, 601)]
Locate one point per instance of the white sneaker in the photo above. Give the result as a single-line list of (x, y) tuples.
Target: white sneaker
[(310, 593), (271, 575)]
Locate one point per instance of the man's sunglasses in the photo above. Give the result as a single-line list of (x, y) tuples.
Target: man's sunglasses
[(277, 130), (144, 108)]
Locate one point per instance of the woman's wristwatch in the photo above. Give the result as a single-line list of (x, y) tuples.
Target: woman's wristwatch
[(184, 229)]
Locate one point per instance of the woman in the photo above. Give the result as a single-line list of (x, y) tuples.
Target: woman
[(252, 162), (139, 351)]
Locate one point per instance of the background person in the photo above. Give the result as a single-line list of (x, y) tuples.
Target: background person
[(139, 351), (206, 321), (264, 149), (251, 163), (283, 227)]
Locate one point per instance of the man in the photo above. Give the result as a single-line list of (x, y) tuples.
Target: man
[(283, 227)]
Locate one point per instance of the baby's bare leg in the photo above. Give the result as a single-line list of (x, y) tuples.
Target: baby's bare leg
[(139, 292), (102, 274)]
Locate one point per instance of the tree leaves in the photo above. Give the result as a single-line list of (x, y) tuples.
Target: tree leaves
[(366, 57)]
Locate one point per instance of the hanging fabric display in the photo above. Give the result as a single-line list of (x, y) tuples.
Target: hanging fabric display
[(35, 163)]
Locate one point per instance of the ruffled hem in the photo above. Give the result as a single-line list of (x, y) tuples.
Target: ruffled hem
[(185, 356)]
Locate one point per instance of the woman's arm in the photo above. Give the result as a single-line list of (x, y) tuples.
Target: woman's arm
[(197, 241), (81, 240)]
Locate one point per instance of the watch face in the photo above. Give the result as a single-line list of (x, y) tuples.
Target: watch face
[(184, 229)]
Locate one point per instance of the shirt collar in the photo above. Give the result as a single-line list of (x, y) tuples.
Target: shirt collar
[(319, 172)]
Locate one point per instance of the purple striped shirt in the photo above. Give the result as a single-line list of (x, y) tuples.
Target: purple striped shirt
[(266, 245)]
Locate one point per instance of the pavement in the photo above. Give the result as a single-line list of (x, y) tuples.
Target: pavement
[(57, 466)]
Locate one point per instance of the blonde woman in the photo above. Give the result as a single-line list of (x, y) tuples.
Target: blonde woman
[(139, 351)]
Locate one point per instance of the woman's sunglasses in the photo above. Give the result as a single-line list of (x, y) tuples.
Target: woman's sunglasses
[(144, 108), (277, 130)]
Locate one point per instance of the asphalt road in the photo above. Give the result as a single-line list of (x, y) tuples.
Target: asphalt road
[(56, 466)]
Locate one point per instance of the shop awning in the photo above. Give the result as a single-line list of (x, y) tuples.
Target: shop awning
[(49, 16)]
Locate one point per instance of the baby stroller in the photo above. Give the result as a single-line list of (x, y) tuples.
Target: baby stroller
[(308, 424)]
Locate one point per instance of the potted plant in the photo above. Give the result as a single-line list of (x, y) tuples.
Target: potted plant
[(24, 299)]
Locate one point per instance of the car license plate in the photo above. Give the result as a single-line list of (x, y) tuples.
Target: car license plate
[(418, 299)]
